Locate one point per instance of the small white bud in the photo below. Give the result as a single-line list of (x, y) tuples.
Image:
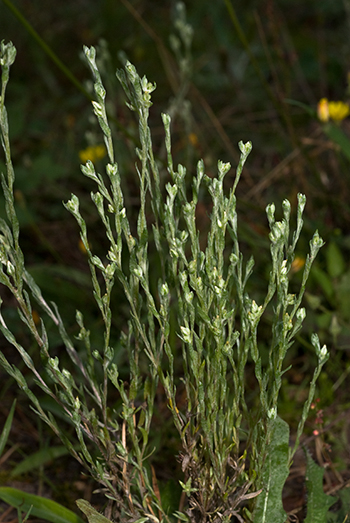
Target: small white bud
[(97, 109), (301, 314), (164, 291), (186, 334), (272, 413), (138, 272), (53, 362), (10, 268), (110, 270), (97, 262), (323, 353), (284, 268)]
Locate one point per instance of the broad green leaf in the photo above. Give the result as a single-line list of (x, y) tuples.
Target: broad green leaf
[(341, 515), (39, 458), (91, 513), (335, 260), (318, 503), (7, 427), (342, 288), (269, 507), (337, 135), (40, 507), (323, 279), (170, 494)]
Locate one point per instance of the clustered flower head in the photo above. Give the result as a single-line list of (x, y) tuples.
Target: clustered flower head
[(92, 153), (336, 111), (297, 264)]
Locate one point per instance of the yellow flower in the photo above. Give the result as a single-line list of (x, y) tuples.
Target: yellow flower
[(82, 247), (193, 139), (323, 110), (36, 317), (337, 111), (92, 153), (297, 264)]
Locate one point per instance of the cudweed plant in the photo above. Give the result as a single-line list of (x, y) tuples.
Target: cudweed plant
[(235, 456)]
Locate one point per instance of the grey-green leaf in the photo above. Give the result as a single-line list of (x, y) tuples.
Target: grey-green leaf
[(318, 502), (91, 513), (269, 507)]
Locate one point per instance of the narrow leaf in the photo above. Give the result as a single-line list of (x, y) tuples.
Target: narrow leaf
[(336, 265), (338, 136), (7, 427)]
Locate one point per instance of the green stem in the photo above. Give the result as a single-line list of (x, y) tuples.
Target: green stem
[(46, 48), (270, 93)]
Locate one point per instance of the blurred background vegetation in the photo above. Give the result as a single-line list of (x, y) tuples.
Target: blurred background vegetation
[(255, 71)]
